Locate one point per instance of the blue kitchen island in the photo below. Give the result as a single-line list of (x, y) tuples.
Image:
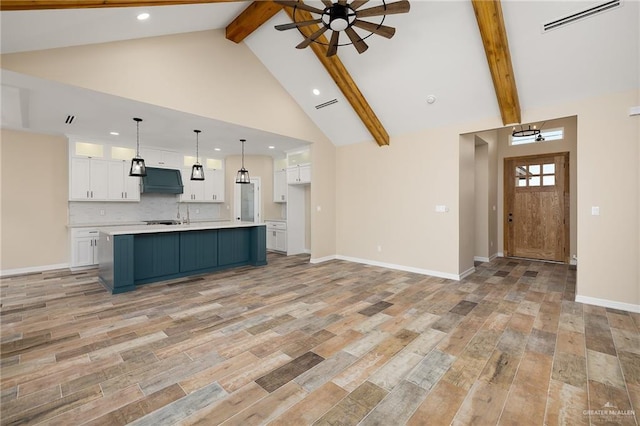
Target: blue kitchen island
[(138, 254)]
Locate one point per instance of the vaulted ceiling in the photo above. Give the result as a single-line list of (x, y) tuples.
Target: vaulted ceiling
[(465, 54)]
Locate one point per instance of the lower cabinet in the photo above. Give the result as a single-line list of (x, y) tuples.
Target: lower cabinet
[(276, 235), (84, 247)]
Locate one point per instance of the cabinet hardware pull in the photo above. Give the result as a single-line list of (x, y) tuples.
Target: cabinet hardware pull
[(91, 194), (87, 194)]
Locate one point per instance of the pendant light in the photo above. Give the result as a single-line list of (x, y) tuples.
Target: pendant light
[(138, 168), (197, 171), (243, 174)]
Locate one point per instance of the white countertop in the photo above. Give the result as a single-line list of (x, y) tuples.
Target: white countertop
[(150, 229)]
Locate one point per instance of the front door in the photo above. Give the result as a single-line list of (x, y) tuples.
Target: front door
[(536, 219)]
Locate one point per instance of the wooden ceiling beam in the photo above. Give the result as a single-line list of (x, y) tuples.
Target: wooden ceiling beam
[(343, 80), (251, 19), (6, 5), (494, 38)]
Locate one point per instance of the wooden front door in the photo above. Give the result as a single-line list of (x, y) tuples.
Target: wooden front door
[(536, 219)]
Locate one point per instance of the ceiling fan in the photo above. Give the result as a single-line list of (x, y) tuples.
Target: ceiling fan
[(343, 16)]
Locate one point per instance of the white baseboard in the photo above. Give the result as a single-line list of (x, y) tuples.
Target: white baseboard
[(468, 272), (605, 303), (438, 274), (481, 259), (32, 269), (323, 259)]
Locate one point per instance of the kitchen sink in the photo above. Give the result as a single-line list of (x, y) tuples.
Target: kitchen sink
[(162, 222)]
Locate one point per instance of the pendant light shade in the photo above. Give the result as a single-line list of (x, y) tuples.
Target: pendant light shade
[(197, 171), (138, 168), (243, 174)]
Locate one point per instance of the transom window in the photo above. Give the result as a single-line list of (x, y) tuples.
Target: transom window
[(547, 135), (535, 175)]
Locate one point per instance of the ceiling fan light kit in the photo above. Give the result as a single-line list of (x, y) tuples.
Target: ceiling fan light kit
[(342, 17)]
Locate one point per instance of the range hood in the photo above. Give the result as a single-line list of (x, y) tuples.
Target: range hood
[(162, 181)]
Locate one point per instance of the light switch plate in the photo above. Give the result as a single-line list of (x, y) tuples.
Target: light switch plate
[(441, 209), (595, 211)]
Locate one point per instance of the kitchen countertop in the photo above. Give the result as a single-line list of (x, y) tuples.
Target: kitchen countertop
[(130, 223), (150, 229)]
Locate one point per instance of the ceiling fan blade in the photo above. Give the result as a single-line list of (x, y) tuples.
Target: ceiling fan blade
[(333, 44), (291, 25), (381, 30), (358, 43), (357, 3), (300, 5), (342, 2), (385, 9), (307, 41), (327, 3)]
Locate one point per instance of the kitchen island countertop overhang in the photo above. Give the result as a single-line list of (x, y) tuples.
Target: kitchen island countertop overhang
[(138, 254)]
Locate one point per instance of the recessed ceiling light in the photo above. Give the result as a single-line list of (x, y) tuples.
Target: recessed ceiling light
[(431, 99), (316, 92), (216, 149), (271, 147), (143, 16), (114, 133)]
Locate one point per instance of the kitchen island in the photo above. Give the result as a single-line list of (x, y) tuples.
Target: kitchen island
[(139, 254)]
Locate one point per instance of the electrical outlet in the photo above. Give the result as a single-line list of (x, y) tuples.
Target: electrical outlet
[(379, 248), (197, 211), (101, 212)]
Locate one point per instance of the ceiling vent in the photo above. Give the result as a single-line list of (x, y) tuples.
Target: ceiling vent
[(577, 16), (69, 119), (326, 104)]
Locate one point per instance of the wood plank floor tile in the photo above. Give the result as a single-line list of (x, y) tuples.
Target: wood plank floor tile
[(390, 347), (310, 409)]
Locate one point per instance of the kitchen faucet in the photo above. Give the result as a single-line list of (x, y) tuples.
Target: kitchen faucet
[(178, 217), (188, 219)]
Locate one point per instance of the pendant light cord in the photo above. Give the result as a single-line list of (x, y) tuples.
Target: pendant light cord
[(243, 141), (137, 120)]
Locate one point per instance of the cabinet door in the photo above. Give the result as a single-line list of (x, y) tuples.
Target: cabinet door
[(80, 177), (304, 173), (280, 186), (99, 179), (131, 184), (116, 181), (271, 239), (292, 175), (214, 186), (281, 241), (83, 251)]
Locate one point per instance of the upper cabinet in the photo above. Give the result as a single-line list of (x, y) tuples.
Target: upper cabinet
[(299, 167), (280, 186), (209, 190), (299, 174), (88, 180), (122, 187), (161, 158)]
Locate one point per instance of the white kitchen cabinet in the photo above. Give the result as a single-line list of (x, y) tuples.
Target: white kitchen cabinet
[(209, 190), (88, 179), (299, 174), (122, 187), (161, 158), (84, 247), (280, 186), (193, 189), (214, 185), (276, 235)]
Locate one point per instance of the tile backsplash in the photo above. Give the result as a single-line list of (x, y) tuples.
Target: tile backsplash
[(150, 207)]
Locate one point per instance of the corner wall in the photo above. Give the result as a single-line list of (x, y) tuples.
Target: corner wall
[(33, 231)]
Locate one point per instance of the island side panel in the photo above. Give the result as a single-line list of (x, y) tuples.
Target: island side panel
[(123, 271), (258, 245), (198, 250)]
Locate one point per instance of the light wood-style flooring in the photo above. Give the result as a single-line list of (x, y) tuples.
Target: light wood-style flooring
[(336, 343)]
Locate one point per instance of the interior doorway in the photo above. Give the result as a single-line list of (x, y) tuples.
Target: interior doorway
[(247, 201), (536, 200)]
